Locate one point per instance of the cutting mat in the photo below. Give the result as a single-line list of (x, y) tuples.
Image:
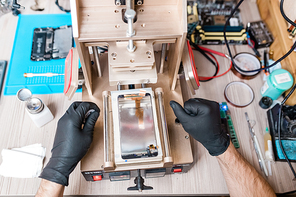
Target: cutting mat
[(21, 63)]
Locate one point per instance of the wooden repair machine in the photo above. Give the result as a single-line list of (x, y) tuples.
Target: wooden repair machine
[(136, 134)]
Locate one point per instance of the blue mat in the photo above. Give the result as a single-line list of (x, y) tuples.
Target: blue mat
[(289, 147), (20, 61)]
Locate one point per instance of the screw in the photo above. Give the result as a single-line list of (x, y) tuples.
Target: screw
[(186, 136), (118, 3)]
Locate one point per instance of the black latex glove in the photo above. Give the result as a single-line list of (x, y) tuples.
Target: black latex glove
[(72, 141), (201, 119)]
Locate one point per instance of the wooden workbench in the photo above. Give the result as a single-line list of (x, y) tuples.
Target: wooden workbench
[(205, 177)]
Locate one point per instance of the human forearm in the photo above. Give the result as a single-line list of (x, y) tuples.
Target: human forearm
[(50, 189), (242, 179)]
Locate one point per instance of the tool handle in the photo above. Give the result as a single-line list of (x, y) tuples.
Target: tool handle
[(108, 160), (41, 74), (259, 155), (168, 159)]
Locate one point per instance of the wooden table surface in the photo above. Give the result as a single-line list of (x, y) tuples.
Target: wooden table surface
[(205, 177)]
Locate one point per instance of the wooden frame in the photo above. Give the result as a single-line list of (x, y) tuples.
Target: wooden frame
[(270, 13), (101, 21)]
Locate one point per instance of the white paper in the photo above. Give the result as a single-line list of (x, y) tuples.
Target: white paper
[(25, 162)]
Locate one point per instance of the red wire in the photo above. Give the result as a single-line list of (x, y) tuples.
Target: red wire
[(212, 51), (193, 67), (218, 75), (218, 65), (193, 62), (209, 53)]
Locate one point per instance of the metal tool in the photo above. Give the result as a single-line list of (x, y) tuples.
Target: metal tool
[(257, 147), (41, 74), (162, 59), (130, 15)]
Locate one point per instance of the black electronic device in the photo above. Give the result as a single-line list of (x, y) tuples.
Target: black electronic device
[(288, 130), (51, 43), (259, 34)]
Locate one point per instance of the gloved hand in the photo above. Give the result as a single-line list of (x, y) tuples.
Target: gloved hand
[(71, 142), (201, 119)]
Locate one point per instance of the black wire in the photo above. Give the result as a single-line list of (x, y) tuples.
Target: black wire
[(279, 60), (61, 8), (279, 129), (280, 141), (284, 15), (216, 70), (196, 47), (260, 69), (288, 95), (224, 30)]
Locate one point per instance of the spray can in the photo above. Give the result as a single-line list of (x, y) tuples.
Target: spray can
[(35, 108)]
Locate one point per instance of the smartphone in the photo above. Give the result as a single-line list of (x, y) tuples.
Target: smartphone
[(137, 128)]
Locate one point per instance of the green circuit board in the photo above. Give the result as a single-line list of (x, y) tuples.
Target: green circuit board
[(228, 124)]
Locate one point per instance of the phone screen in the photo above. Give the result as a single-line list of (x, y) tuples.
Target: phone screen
[(136, 124)]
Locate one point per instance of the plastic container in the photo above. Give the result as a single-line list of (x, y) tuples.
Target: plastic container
[(268, 146), (269, 157), (35, 108), (277, 83)]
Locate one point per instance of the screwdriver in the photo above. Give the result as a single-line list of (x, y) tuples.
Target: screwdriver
[(41, 74)]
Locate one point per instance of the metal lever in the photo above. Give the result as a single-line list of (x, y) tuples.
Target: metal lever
[(168, 159), (130, 4), (162, 59), (108, 163), (96, 55), (130, 15)]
